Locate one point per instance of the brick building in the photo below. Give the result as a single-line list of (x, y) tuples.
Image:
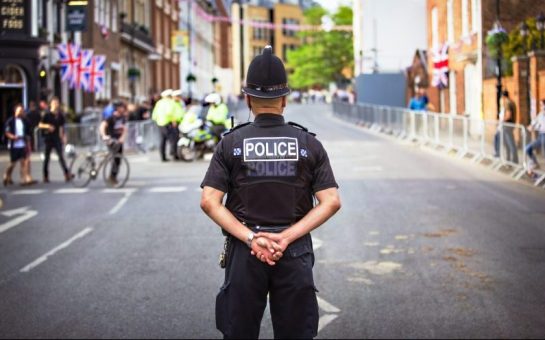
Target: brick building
[(463, 25)]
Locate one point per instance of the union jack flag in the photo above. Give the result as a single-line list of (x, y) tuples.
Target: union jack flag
[(440, 67), (69, 55), (97, 73), (85, 68)]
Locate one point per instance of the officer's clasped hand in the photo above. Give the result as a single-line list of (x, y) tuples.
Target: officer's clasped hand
[(266, 251)]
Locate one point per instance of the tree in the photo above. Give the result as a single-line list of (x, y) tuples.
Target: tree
[(323, 57)]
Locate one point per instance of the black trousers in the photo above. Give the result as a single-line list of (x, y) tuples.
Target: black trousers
[(118, 152), (168, 134), (55, 144), (292, 294)]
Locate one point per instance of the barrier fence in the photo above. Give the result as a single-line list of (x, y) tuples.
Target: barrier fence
[(142, 136), (499, 145)]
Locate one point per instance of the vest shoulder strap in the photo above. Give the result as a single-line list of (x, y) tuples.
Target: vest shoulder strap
[(301, 127), (236, 128)]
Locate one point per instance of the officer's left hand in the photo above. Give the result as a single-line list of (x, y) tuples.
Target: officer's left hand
[(278, 240), (266, 251)]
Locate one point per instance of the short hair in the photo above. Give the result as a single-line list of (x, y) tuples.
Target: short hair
[(505, 93), (118, 103), (266, 102)]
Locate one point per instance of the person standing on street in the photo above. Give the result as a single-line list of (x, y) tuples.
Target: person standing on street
[(508, 114), (271, 172), (17, 132), (163, 116), (53, 125), (33, 117), (113, 132), (537, 125)]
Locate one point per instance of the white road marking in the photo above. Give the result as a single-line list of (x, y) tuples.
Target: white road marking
[(326, 306), (25, 213), (167, 189), (119, 191), (368, 169), (325, 320), (121, 203), (53, 251), (71, 191), (28, 192), (316, 243)]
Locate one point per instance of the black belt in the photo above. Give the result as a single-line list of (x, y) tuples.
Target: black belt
[(267, 228)]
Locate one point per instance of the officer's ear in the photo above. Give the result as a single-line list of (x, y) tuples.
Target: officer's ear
[(249, 102), (284, 101)]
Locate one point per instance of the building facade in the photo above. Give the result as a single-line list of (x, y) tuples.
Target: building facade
[(166, 64), (463, 25), (249, 40), (20, 55)]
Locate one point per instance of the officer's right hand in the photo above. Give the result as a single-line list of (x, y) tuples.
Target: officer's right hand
[(265, 250)]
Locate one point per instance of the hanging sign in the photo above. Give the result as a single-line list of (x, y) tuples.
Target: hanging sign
[(14, 15), (76, 16)]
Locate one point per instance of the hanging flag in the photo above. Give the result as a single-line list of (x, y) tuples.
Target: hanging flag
[(82, 78), (440, 67), (69, 56), (97, 73)]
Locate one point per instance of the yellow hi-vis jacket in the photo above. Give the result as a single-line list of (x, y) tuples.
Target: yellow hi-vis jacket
[(163, 112), (218, 115)]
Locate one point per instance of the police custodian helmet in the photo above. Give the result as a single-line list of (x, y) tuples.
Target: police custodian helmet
[(266, 77)]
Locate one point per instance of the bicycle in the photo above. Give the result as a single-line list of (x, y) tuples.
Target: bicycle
[(85, 168)]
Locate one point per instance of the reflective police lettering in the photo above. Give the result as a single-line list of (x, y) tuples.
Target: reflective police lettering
[(270, 149), (272, 169)]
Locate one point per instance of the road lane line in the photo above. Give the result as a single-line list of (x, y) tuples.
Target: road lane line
[(167, 189), (326, 306), (53, 251), (71, 191), (368, 169), (316, 243), (121, 203), (28, 192), (325, 320), (119, 191), (25, 213)]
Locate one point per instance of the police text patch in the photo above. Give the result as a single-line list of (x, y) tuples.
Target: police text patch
[(267, 149)]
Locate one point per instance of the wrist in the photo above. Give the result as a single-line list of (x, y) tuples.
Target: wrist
[(250, 238)]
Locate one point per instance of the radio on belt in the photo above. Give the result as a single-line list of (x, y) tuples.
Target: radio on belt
[(270, 149)]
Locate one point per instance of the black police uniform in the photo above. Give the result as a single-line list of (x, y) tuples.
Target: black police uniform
[(270, 171)]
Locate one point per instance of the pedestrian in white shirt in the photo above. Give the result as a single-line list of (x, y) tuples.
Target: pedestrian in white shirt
[(17, 133), (537, 125)]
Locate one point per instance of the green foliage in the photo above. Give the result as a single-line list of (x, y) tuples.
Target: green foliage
[(517, 45), (323, 56)]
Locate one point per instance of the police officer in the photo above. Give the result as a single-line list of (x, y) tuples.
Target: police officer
[(270, 171), (163, 116), (218, 114)]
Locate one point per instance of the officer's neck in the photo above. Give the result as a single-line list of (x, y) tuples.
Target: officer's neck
[(270, 110)]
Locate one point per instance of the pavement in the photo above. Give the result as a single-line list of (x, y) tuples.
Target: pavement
[(424, 246)]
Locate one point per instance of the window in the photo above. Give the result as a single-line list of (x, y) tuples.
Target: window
[(465, 18), (286, 31), (97, 11), (474, 15), (435, 28), (107, 5), (114, 16), (261, 33), (450, 20)]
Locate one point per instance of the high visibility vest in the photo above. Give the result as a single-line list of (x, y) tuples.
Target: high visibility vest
[(163, 112), (178, 111), (218, 114)]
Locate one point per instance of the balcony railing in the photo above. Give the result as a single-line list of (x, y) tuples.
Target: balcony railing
[(137, 32)]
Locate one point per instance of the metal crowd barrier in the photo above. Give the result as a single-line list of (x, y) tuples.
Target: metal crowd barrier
[(142, 136), (499, 145)]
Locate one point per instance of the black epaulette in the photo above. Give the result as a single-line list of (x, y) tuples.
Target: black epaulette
[(236, 127), (301, 127)]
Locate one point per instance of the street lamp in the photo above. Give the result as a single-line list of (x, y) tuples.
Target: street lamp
[(524, 33), (540, 25)]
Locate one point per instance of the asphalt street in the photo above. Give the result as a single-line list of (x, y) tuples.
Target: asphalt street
[(424, 246)]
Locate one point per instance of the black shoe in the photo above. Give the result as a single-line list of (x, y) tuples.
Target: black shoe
[(166, 160)]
